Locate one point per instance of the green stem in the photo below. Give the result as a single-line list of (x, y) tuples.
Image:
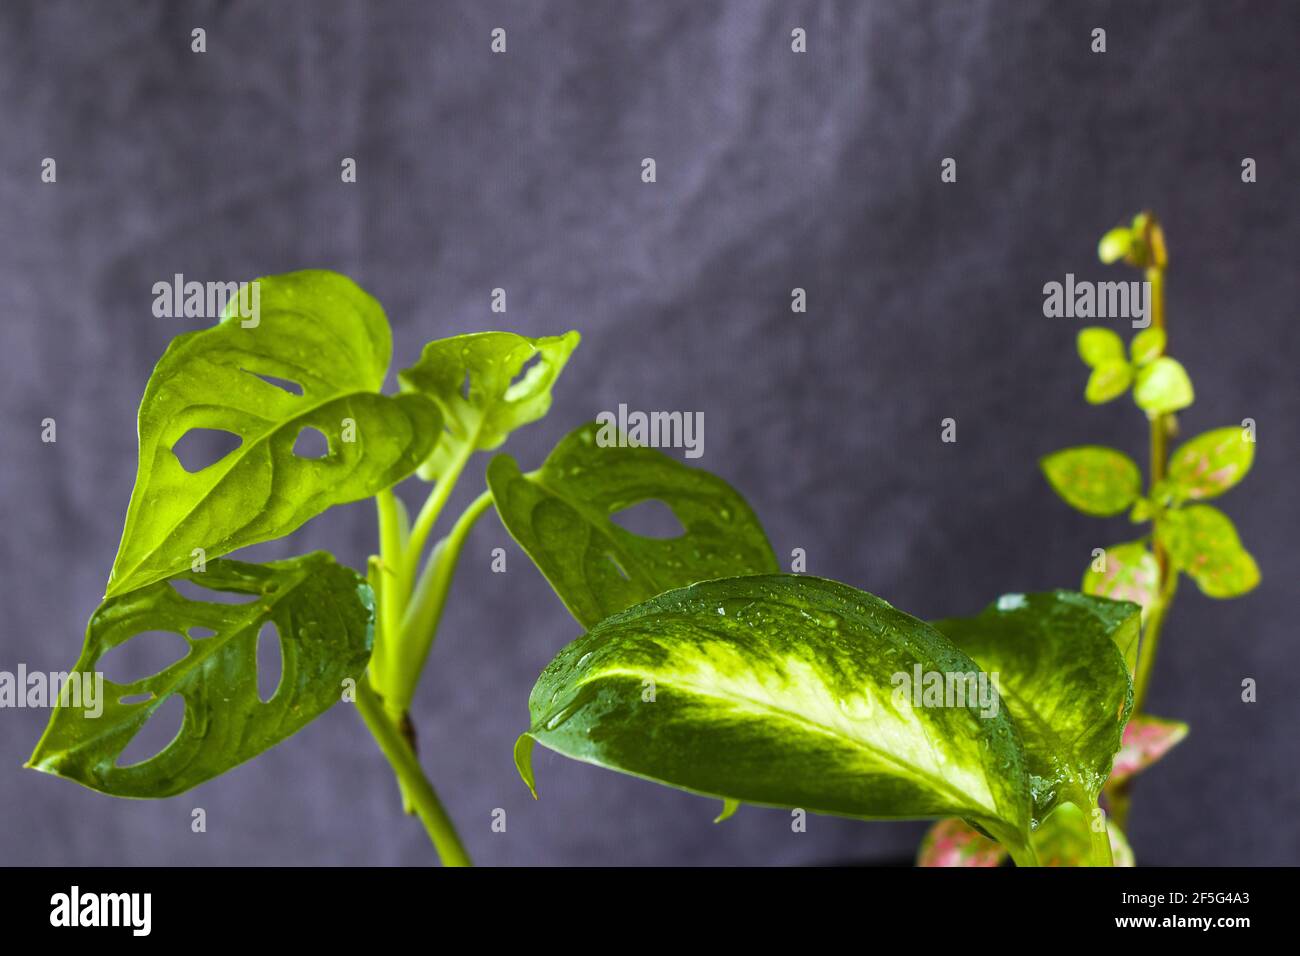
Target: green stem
[(393, 594), (414, 783), (1100, 841), (433, 506), (423, 614), (1120, 797)]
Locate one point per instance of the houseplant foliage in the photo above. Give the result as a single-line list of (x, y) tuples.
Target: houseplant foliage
[(317, 360), (1184, 537), (782, 690)]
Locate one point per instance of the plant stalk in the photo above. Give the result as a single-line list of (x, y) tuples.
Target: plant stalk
[(1166, 576), (414, 783)]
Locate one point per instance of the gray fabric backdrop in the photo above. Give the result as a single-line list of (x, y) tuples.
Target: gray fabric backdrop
[(775, 170)]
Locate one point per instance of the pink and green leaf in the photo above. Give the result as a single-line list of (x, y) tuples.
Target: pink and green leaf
[(1210, 464), (1130, 573), (1146, 740), (952, 842)]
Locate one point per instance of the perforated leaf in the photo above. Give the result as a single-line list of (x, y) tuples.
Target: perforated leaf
[(323, 615), (486, 388), (562, 516), (328, 339)]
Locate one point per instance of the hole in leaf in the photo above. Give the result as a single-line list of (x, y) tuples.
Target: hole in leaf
[(201, 448), (311, 443), (157, 734), (649, 519), (465, 386), (618, 567), (269, 661), (284, 384), (199, 633), (134, 698), (197, 592), (523, 383), (144, 655)]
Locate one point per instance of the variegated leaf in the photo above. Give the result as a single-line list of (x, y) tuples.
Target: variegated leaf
[(1063, 663), (782, 690)]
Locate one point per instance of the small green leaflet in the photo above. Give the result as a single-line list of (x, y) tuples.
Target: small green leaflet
[(1064, 662), (1094, 479), (1202, 542), (561, 516), (1098, 345), (323, 613), (1108, 381), (317, 330), (1210, 464), (1147, 346), (782, 690), (485, 388), (1129, 573), (1162, 387), (1115, 244)]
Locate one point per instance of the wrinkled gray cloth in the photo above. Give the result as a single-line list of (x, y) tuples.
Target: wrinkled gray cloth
[(775, 170)]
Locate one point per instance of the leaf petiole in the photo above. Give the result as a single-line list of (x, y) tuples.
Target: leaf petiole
[(414, 783)]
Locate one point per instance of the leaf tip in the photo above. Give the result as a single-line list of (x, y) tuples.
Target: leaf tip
[(729, 808), (524, 762)]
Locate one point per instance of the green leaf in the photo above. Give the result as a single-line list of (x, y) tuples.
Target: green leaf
[(1108, 381), (1162, 387), (561, 516), (1115, 245), (1147, 346), (323, 613), (1093, 479), (1210, 464), (1202, 542), (954, 843), (1098, 344), (783, 690), (318, 330), (1060, 657), (485, 388), (1129, 573), (1146, 740)]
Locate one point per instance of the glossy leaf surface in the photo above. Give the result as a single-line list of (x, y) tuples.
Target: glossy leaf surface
[(781, 690), (1063, 660), (486, 384), (563, 517), (319, 333), (322, 613)]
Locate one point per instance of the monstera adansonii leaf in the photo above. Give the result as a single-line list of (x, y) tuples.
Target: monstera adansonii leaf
[(486, 384), (323, 615), (562, 516), (783, 690), (1064, 665), (314, 359)]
